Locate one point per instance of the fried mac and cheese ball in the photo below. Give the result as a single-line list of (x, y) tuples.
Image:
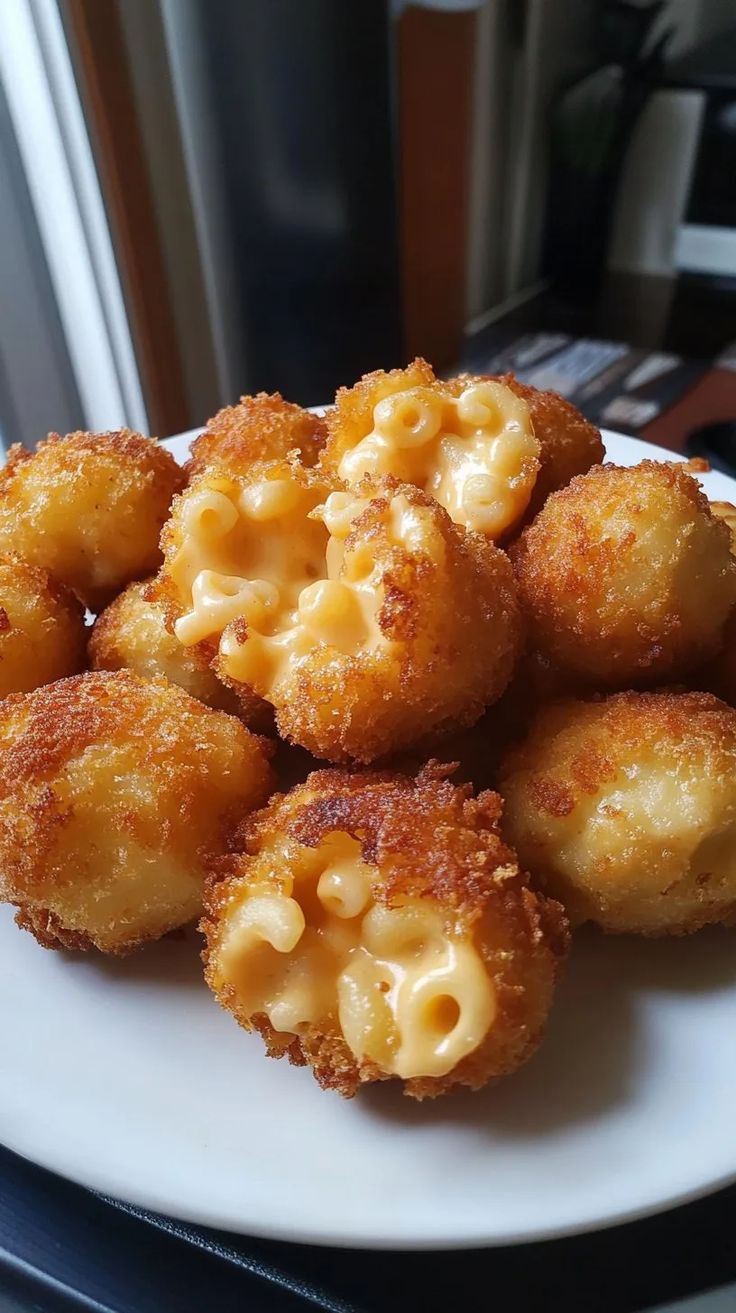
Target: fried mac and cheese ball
[(625, 576), (263, 427), (568, 443), (114, 792), (42, 632), (89, 508), (366, 618), (131, 634), (625, 810), (726, 512), (719, 674), (469, 443), (376, 926)]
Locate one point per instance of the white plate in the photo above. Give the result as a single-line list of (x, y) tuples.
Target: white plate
[(127, 1077)]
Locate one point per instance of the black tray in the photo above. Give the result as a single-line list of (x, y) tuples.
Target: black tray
[(64, 1249)]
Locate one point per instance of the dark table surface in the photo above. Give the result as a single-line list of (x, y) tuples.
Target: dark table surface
[(63, 1248), (691, 317)]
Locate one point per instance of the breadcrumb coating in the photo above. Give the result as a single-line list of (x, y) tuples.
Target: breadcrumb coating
[(351, 417), (624, 808), (114, 793), (88, 508), (569, 444), (436, 637), (428, 849), (261, 427), (726, 512), (719, 674), (626, 576), (131, 634), (468, 442), (42, 632)]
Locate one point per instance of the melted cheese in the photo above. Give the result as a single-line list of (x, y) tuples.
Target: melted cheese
[(270, 575), (476, 453), (405, 993), (268, 556)]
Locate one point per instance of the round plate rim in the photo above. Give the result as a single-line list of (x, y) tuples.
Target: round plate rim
[(87, 1176)]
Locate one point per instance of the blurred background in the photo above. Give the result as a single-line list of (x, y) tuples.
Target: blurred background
[(200, 198)]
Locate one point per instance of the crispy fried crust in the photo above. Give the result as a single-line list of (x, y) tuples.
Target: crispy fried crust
[(351, 417), (724, 511), (569, 443), (455, 632), (89, 508), (719, 674), (625, 576), (131, 634), (113, 792), (625, 809), (42, 632), (262, 427), (452, 625), (427, 839), (50, 932)]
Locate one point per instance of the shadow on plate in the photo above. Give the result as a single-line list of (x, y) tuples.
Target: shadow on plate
[(588, 1062), (690, 964), (173, 962), (595, 1040)]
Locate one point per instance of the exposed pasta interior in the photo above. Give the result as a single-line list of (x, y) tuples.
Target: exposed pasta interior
[(265, 569), (408, 993), (475, 452)]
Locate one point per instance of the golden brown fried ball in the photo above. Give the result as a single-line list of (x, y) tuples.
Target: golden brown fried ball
[(42, 633), (626, 576), (719, 674), (726, 512), (114, 791), (625, 810), (366, 618), (568, 443), (131, 634), (352, 415), (88, 508), (536, 683), (480, 749), (263, 427), (376, 926), (468, 442)]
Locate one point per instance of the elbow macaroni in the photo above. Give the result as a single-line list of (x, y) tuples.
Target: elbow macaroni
[(265, 570), (407, 994), (475, 453)]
